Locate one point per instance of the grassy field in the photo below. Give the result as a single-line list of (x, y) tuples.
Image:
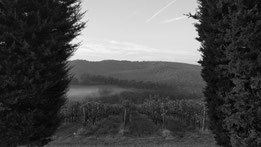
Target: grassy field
[(132, 142), (67, 137), (192, 140)]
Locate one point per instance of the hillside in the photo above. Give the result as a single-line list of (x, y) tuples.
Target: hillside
[(180, 75)]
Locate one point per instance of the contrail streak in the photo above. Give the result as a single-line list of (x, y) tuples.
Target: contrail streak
[(174, 19), (161, 10)]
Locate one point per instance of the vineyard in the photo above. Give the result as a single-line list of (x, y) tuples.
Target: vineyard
[(190, 112)]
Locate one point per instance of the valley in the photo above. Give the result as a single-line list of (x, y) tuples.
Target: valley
[(126, 101)]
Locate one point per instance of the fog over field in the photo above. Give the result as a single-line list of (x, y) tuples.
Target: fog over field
[(79, 92)]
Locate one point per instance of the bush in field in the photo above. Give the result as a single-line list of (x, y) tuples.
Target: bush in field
[(71, 112), (190, 112), (109, 125), (176, 125), (152, 109), (141, 125), (35, 38), (94, 111), (230, 34)]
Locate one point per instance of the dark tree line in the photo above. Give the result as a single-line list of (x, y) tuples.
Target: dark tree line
[(35, 38), (89, 79), (230, 32)]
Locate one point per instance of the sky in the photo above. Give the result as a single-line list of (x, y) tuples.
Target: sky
[(138, 30)]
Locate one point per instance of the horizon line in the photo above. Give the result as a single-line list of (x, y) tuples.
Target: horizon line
[(132, 61)]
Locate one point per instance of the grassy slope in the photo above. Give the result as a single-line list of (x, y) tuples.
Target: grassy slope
[(65, 137), (180, 75), (192, 140), (141, 134)]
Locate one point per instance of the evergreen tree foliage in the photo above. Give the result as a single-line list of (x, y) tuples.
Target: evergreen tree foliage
[(244, 52), (211, 35), (230, 33), (35, 43)]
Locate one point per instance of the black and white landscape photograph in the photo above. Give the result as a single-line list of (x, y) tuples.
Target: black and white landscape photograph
[(130, 73)]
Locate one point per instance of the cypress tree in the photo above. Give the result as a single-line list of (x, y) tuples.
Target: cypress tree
[(244, 51), (230, 33), (35, 43), (211, 30)]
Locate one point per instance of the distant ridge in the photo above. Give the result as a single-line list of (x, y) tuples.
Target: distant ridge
[(181, 75)]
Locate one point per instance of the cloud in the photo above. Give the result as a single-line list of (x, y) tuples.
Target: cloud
[(96, 50), (174, 19), (161, 10)]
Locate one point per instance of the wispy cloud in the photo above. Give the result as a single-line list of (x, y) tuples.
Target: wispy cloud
[(97, 49), (161, 10), (174, 19)]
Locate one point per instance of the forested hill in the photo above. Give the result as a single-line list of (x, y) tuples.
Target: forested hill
[(180, 75)]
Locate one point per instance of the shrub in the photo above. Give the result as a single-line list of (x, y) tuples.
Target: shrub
[(109, 125), (141, 125)]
